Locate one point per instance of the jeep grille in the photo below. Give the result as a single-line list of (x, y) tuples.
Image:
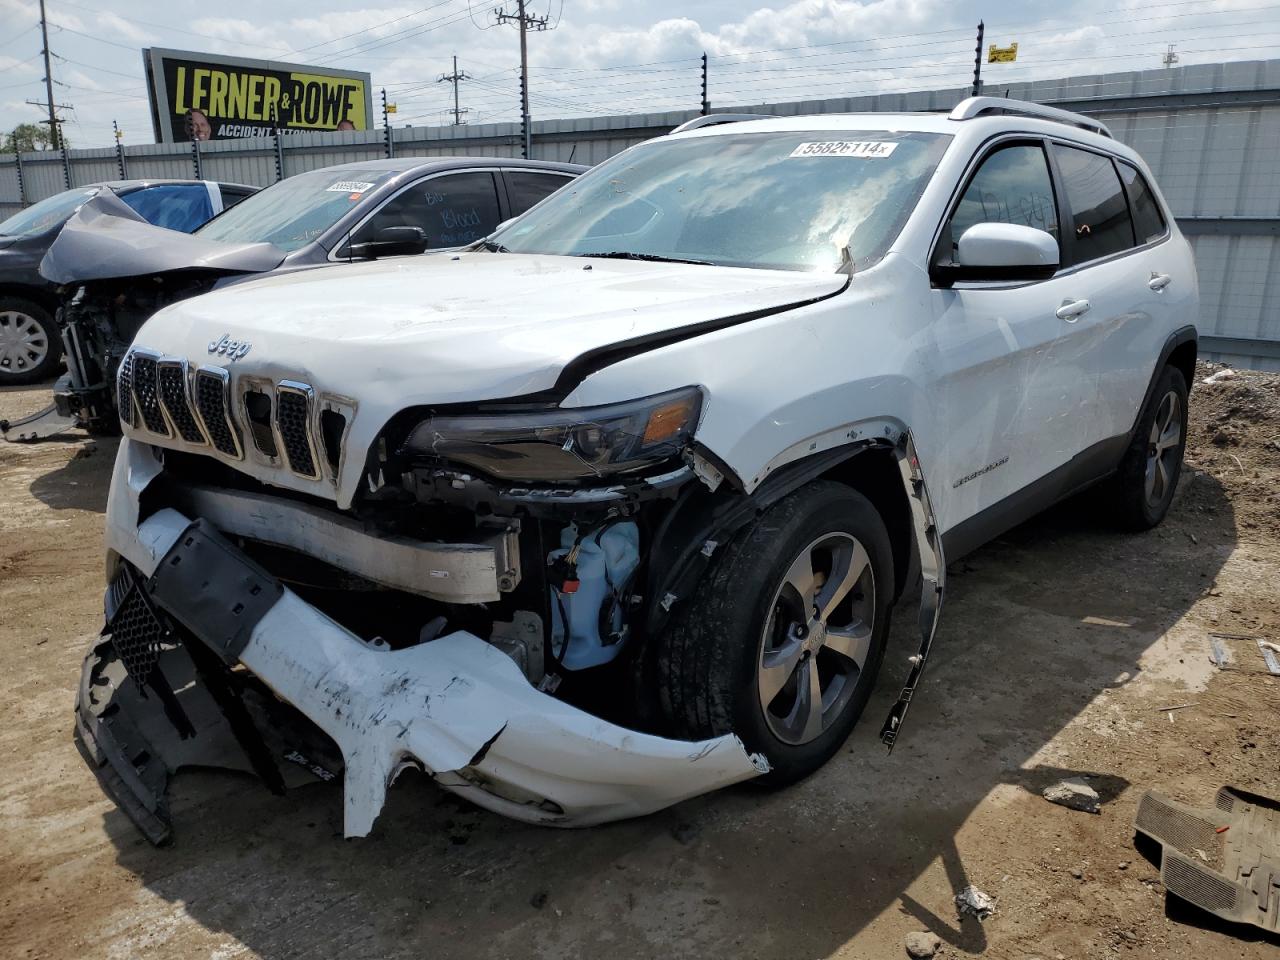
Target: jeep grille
[(289, 423)]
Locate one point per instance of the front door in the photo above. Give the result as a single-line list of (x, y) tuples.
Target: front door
[(1012, 392)]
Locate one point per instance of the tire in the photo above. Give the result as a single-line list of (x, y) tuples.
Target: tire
[(746, 629), (1143, 487), (30, 346)]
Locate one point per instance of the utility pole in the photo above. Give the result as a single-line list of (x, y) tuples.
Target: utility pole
[(977, 62), (524, 21), (54, 134), (706, 104), (124, 171), (454, 78), (1170, 56)]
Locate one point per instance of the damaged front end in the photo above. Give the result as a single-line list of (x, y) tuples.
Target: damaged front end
[(480, 611), (208, 658)]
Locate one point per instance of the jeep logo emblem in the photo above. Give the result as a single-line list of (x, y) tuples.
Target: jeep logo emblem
[(231, 349)]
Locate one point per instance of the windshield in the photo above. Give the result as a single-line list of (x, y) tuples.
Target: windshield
[(48, 213), (293, 212), (787, 201)]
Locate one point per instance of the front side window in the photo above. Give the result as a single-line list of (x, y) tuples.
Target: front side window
[(176, 206), (296, 211), (48, 213), (1011, 186), (1148, 221), (1099, 213), (452, 210), (782, 201)]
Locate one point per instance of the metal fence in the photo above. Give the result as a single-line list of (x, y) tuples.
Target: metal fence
[(1210, 132)]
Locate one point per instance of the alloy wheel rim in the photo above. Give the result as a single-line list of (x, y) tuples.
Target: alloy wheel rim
[(1163, 447), (817, 638), (23, 342)]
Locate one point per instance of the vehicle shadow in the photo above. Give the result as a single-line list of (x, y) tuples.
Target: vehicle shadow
[(82, 483), (1035, 627)]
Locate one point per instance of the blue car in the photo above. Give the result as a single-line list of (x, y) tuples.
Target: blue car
[(30, 346)]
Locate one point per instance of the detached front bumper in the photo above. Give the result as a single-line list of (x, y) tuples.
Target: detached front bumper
[(457, 707)]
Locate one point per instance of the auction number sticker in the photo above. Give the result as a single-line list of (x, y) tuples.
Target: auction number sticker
[(845, 148), (349, 186)]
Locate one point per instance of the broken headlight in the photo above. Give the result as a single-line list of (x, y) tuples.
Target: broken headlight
[(559, 445)]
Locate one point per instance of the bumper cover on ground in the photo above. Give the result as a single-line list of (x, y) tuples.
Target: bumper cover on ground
[(457, 706)]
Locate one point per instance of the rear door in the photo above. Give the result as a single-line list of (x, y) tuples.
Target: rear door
[(527, 187), (1110, 271)]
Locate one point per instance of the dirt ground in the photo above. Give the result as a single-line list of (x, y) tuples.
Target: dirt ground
[(1059, 646)]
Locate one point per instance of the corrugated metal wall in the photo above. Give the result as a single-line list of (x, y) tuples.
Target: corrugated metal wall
[(1210, 132)]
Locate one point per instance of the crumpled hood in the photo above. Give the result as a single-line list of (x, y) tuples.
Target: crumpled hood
[(106, 239), (451, 328), (471, 326)]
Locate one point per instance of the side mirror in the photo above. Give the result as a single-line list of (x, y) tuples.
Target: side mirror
[(391, 242), (504, 224), (1001, 251)]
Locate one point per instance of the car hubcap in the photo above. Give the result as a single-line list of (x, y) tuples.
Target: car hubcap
[(23, 342), (1163, 448), (817, 638)]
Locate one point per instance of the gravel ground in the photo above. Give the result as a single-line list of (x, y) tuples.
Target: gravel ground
[(1059, 645)]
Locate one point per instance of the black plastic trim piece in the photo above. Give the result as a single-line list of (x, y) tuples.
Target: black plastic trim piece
[(213, 590), (717, 518), (1176, 339), (138, 790)]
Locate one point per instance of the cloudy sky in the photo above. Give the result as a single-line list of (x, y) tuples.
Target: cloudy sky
[(605, 56)]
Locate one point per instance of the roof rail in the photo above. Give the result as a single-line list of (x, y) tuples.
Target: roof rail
[(977, 106), (712, 119)]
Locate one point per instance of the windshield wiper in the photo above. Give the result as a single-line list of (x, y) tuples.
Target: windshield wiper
[(493, 246), (654, 257)]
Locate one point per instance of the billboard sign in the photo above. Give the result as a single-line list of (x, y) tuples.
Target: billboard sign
[(208, 96)]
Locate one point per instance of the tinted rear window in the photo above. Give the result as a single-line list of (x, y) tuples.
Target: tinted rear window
[(1097, 204), (1148, 221)]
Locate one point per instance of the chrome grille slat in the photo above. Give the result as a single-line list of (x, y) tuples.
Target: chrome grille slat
[(172, 387), (124, 391), (146, 393), (212, 391), (293, 409)]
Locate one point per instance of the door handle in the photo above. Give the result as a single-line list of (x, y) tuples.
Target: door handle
[(1072, 310), (1159, 281)]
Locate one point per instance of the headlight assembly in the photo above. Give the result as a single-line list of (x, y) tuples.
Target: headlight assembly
[(559, 445)]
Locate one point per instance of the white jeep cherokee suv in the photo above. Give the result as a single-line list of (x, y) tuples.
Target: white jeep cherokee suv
[(612, 508)]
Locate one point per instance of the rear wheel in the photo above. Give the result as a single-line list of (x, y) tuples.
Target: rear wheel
[(1148, 475), (782, 642), (29, 343)]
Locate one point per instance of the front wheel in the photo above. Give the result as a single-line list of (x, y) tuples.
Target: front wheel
[(29, 343), (783, 639), (1144, 485)]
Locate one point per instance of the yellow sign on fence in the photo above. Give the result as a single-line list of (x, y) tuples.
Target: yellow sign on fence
[(1002, 54)]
